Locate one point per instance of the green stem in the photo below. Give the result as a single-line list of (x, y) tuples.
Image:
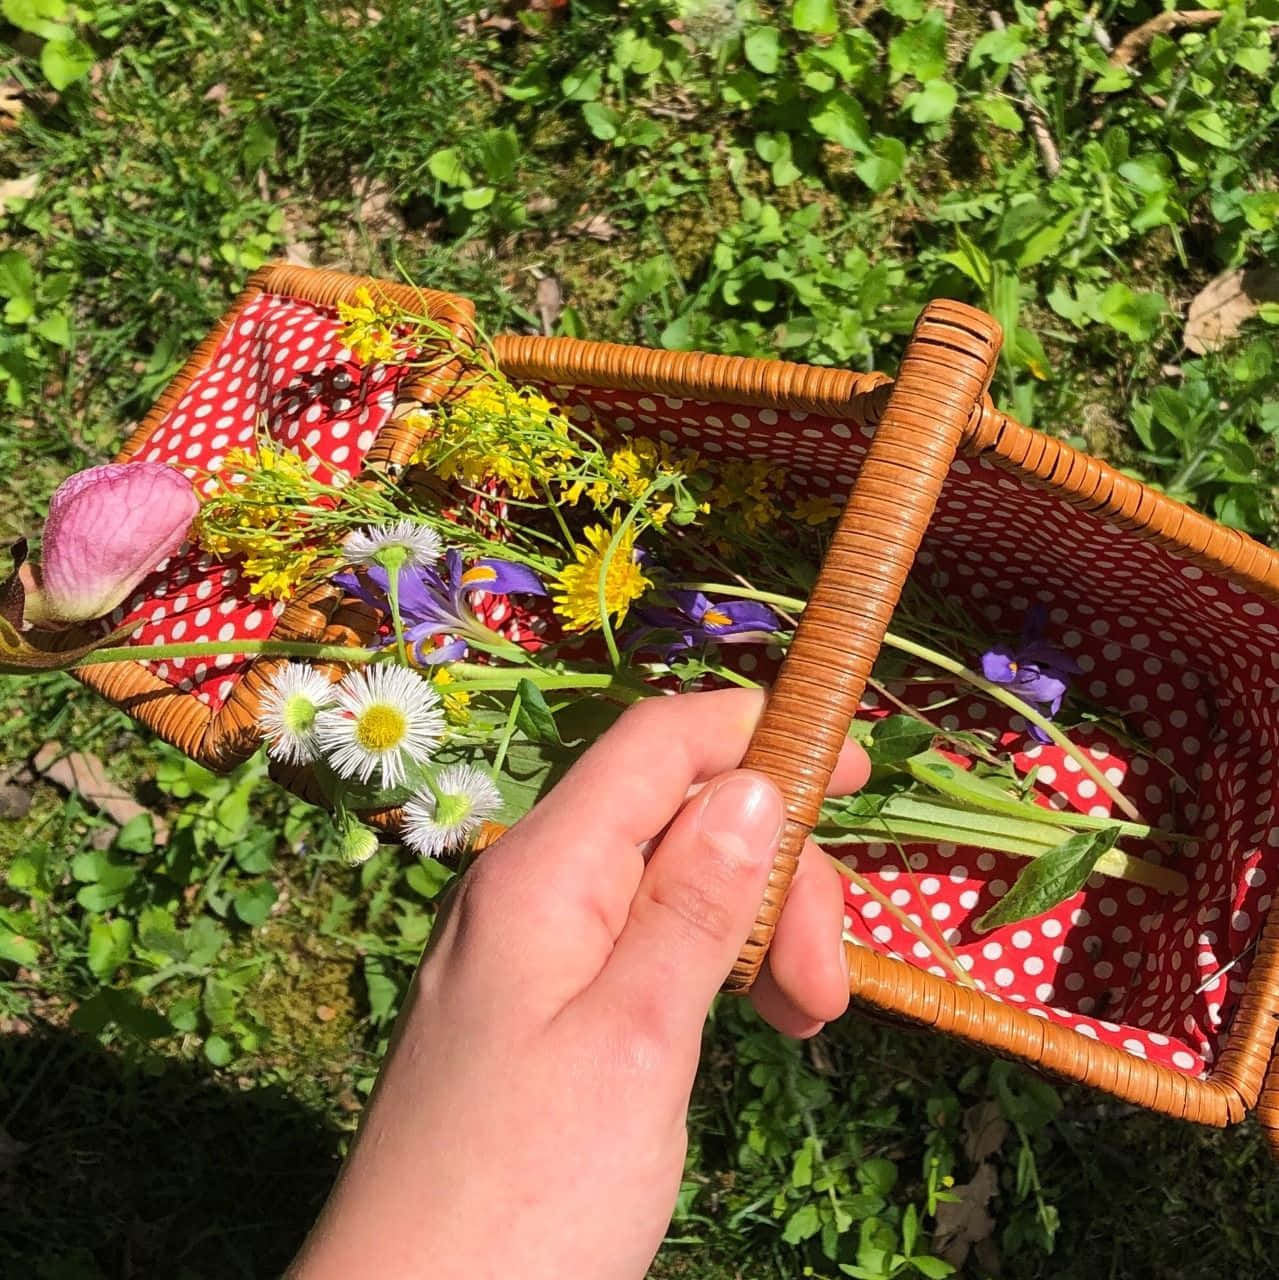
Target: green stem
[(996, 691), (397, 622), (470, 676), (216, 648), (946, 961)]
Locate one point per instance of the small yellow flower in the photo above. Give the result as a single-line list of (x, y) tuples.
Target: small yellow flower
[(816, 511), (456, 702), (278, 575), (579, 584), (368, 327)]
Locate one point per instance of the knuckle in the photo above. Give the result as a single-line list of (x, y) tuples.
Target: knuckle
[(694, 912)]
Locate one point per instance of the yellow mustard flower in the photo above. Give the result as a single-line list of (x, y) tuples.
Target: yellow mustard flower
[(746, 492), (456, 702), (368, 327), (578, 594), (816, 511)]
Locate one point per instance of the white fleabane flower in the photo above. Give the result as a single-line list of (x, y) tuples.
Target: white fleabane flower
[(386, 718), (398, 545), (288, 711), (359, 844), (437, 824)]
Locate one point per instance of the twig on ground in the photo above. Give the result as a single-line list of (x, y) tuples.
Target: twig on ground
[(1135, 43), (1035, 117)]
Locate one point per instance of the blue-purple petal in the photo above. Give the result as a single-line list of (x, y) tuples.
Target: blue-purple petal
[(501, 577), (999, 666), (741, 615)]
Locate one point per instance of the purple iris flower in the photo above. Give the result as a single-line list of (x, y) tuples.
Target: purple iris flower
[(695, 620), (1036, 671), (434, 603)]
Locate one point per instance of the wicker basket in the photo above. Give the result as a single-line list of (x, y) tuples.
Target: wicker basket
[(1168, 1003)]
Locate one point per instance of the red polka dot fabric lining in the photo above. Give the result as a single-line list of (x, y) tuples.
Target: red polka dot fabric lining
[(1187, 659), (279, 369)]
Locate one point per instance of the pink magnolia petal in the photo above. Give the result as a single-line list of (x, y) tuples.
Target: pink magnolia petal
[(108, 527)]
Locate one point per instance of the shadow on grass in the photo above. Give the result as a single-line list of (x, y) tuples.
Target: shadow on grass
[(127, 1174)]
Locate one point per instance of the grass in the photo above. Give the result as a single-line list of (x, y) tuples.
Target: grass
[(186, 1033)]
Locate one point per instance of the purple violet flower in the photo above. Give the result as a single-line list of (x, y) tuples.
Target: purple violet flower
[(1036, 671), (695, 620), (434, 604)]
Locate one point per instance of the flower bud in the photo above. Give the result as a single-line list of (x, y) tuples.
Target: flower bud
[(108, 527)]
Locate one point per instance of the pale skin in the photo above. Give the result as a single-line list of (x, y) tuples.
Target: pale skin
[(529, 1119)]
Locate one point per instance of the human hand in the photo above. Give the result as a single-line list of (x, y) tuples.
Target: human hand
[(529, 1120)]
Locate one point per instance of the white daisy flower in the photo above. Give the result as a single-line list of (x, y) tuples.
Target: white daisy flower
[(436, 824), (288, 712), (402, 544), (386, 718)]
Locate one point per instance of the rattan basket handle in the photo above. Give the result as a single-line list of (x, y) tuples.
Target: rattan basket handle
[(944, 375)]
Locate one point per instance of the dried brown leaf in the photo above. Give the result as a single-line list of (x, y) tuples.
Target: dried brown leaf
[(550, 302), (85, 774), (1222, 307), (596, 226), (18, 188), (984, 1130), (964, 1222), (11, 104)]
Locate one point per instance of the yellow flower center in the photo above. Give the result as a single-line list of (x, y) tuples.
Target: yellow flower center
[(380, 727), (716, 618), (477, 574)]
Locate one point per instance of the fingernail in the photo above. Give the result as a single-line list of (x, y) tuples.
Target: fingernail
[(742, 818)]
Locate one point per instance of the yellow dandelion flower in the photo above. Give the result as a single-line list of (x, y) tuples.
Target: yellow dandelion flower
[(579, 584), (816, 511)]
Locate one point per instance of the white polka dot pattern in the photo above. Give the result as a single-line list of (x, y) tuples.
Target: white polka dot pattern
[(1190, 662), (280, 367)]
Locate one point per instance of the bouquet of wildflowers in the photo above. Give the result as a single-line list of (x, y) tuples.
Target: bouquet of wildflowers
[(528, 576)]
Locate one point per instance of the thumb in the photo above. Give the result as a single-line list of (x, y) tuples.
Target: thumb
[(694, 907)]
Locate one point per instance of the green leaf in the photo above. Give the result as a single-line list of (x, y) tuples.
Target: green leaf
[(158, 932), (41, 18), (381, 988), (17, 949), (884, 166), (219, 1050), (219, 1002), (602, 121), (933, 1268), (1000, 48), (260, 142), (205, 939), (897, 738), (254, 904), (428, 878), (582, 83), (840, 118), (762, 47), (478, 197), (1001, 113), (499, 153), (137, 835), (17, 280), (56, 328), (446, 166), (1135, 315), (534, 718), (1211, 127), (920, 50), (802, 1224), (934, 102), (877, 1174), (1050, 878), (818, 16), (109, 943)]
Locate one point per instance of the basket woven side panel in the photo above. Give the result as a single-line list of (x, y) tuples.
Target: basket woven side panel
[(274, 366)]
